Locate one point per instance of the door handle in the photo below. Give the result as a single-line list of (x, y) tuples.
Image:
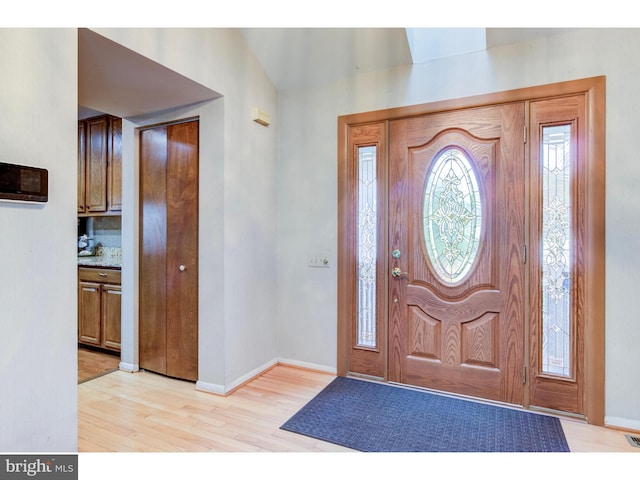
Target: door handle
[(397, 272)]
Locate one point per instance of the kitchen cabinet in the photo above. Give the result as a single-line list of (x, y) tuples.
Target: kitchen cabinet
[(114, 167), (100, 166), (99, 307)]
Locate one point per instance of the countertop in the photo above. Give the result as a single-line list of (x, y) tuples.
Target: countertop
[(107, 257)]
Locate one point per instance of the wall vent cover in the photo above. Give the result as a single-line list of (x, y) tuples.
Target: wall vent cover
[(634, 440)]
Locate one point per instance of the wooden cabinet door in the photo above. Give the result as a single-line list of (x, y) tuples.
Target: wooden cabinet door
[(114, 194), (100, 165), (96, 166), (89, 313), (99, 307), (111, 316), (81, 167)]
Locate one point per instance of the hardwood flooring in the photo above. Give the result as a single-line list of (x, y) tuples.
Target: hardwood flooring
[(93, 364), (145, 412)]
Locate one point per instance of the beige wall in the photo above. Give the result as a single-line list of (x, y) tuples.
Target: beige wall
[(38, 275), (237, 313), (307, 183)]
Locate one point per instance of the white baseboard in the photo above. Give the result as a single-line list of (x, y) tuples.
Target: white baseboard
[(256, 372), (129, 367), (310, 366), (225, 389), (624, 423), (210, 388)]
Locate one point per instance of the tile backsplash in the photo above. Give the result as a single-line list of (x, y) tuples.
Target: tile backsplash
[(106, 231)]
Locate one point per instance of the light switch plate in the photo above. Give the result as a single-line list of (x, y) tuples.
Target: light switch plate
[(321, 261)]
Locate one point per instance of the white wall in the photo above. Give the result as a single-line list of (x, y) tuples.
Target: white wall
[(38, 274), (237, 316), (307, 183)]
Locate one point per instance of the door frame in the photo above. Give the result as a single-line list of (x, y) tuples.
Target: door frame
[(593, 89)]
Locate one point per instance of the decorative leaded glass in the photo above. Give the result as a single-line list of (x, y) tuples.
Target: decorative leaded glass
[(367, 247), (452, 215), (556, 250)]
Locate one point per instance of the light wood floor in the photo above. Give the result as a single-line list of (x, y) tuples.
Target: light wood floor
[(145, 412)]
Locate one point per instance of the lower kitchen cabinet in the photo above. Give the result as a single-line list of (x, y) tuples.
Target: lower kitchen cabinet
[(111, 302), (99, 308)]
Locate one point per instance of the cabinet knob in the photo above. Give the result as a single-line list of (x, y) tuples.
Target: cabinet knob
[(182, 268)]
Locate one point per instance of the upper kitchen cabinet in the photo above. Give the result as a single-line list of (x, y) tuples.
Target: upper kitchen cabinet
[(114, 168), (100, 166)]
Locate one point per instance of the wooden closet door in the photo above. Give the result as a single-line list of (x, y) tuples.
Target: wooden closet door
[(169, 250), (182, 250), (153, 250)]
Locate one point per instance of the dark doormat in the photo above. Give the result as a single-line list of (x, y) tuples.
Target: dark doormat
[(376, 417)]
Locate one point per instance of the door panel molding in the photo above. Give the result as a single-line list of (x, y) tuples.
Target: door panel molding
[(593, 306), (473, 306)]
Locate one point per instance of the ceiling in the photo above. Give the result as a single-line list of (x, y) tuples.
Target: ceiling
[(116, 80), (113, 79), (300, 57)]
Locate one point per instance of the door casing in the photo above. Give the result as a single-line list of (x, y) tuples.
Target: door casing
[(593, 90)]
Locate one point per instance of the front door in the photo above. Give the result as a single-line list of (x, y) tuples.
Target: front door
[(471, 246), (456, 230)]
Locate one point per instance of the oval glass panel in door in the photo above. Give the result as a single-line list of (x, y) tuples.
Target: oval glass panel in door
[(452, 215)]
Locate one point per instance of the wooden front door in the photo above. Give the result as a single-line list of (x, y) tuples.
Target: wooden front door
[(169, 250), (456, 229), (471, 246)]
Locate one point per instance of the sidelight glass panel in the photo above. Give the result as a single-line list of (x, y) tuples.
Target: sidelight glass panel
[(452, 215), (556, 250), (367, 231)]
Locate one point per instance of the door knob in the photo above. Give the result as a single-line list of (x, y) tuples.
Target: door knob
[(182, 268), (397, 272)]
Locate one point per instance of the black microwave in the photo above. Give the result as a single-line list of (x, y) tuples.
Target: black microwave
[(19, 182)]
